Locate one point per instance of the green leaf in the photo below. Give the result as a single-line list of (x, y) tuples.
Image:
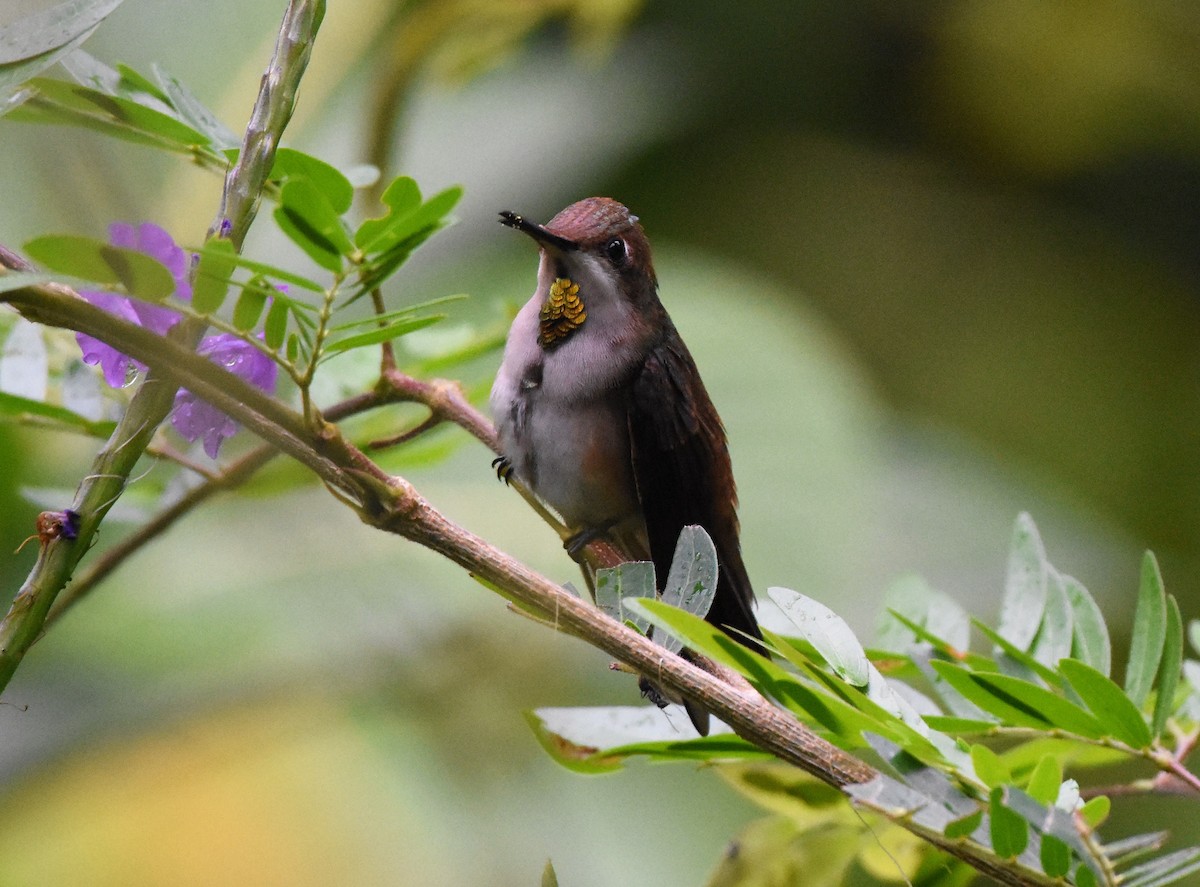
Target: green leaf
[(275, 326), (597, 740), (1134, 847), (1095, 811), (404, 218), (1121, 718), (1023, 758), (1090, 642), (1011, 711), (1055, 856), (128, 81), (1010, 833), (249, 306), (217, 261), (1045, 780), (274, 273), (575, 737), (1024, 585), (327, 179), (964, 827), (307, 218), (393, 330), (293, 347), (402, 197), (988, 767), (136, 273), (13, 405), (1085, 877), (193, 112), (692, 578), (549, 878), (827, 632), (819, 707), (1042, 703), (707, 639), (399, 238), (77, 105), (1149, 633), (957, 725), (614, 584), (1171, 666), (1018, 655)]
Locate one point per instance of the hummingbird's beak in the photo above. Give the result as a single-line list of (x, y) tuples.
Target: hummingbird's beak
[(537, 232)]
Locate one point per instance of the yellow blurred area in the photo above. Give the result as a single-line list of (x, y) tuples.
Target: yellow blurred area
[(277, 793)]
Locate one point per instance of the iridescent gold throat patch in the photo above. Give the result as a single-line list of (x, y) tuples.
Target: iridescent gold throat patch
[(562, 313)]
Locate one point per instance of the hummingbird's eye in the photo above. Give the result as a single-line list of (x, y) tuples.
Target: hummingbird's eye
[(615, 250)]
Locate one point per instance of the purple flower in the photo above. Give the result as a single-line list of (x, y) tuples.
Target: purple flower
[(156, 243), (194, 418)]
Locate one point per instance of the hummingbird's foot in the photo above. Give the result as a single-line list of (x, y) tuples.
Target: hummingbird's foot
[(503, 468), (578, 542)]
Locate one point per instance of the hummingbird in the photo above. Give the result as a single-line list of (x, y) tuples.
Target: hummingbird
[(601, 412)]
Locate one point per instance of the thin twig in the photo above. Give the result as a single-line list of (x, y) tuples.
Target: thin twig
[(387, 354), (161, 450)]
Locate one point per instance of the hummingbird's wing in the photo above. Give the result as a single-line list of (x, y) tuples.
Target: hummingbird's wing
[(683, 474)]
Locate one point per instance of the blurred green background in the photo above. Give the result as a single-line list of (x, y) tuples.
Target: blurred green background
[(937, 262)]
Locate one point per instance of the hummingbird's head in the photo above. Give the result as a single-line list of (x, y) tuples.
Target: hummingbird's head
[(598, 244), (595, 264)]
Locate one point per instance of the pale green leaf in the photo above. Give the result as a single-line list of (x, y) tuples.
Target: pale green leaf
[(614, 584), (1090, 641), (1056, 633), (827, 632), (1024, 585), (692, 580), (1149, 633), (1170, 667)]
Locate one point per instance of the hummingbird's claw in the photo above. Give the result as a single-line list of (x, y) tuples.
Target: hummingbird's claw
[(584, 537), (503, 468)]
